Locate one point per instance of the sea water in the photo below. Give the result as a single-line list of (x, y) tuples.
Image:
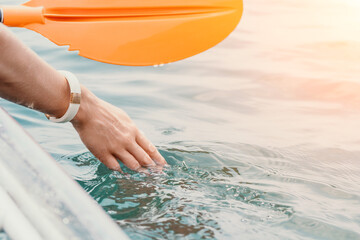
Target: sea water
[(262, 132)]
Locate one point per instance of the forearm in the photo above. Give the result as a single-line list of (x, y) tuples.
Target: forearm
[(106, 130), (27, 80)]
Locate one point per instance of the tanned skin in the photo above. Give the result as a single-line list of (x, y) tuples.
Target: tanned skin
[(106, 130)]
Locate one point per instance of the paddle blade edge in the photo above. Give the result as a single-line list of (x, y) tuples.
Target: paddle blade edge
[(136, 36)]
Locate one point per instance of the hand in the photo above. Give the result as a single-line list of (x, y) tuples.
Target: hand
[(110, 135)]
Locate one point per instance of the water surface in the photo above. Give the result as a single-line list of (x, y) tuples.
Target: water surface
[(262, 132)]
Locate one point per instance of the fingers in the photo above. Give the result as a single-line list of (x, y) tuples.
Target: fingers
[(141, 156), (128, 160), (134, 158), (150, 149), (111, 162)]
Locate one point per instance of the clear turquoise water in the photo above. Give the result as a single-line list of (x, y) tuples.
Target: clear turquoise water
[(262, 132)]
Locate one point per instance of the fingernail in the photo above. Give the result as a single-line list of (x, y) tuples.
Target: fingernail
[(136, 166), (152, 148), (161, 161), (120, 170), (149, 162), (116, 169)]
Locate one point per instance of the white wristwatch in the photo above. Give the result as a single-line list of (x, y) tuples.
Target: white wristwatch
[(75, 97)]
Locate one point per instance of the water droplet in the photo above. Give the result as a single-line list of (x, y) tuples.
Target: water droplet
[(184, 166)]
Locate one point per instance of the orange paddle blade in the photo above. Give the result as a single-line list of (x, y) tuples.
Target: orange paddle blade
[(130, 32)]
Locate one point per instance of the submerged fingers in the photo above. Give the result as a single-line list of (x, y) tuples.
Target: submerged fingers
[(150, 149), (111, 162), (141, 156), (128, 160), (138, 154)]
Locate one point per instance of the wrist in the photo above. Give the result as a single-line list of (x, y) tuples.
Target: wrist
[(88, 101)]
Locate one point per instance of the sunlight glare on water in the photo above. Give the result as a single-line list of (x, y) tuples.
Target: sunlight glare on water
[(262, 132)]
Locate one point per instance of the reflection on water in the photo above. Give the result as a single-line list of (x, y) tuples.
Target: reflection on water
[(261, 132)]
